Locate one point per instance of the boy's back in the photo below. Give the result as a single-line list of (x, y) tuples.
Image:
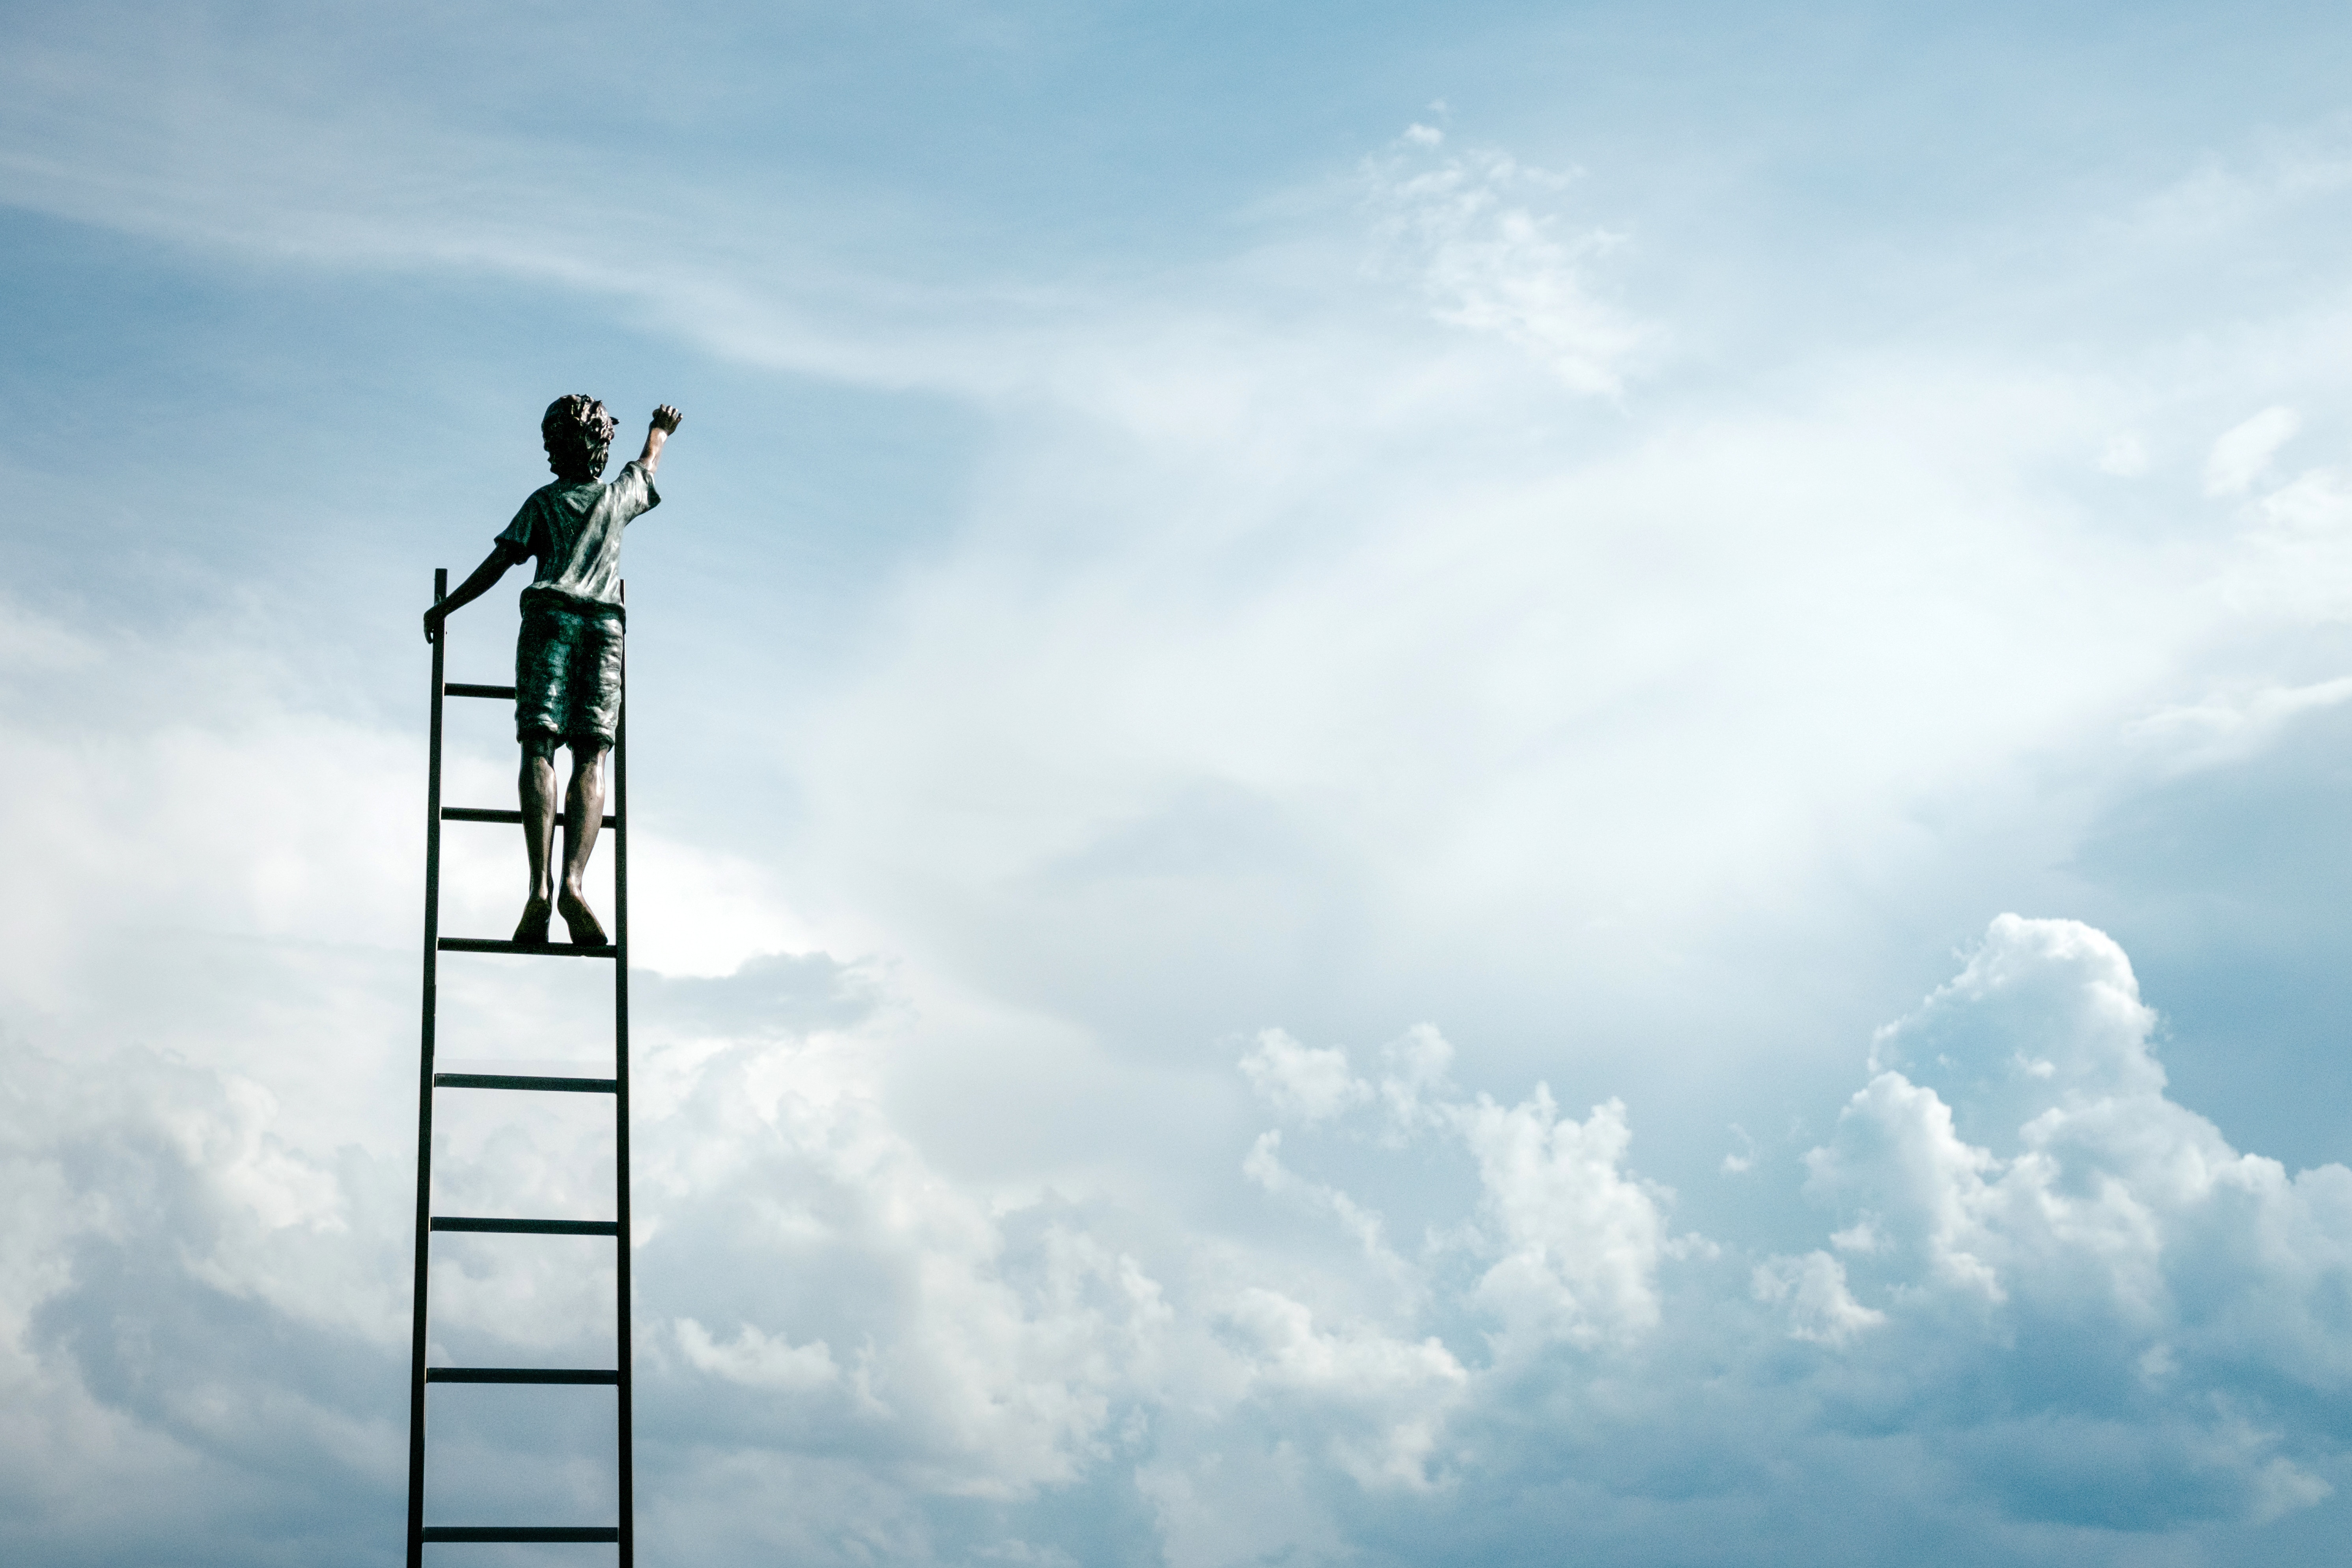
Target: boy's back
[(575, 532)]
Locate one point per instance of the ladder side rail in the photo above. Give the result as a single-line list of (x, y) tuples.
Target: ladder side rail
[(425, 1098), (623, 1359)]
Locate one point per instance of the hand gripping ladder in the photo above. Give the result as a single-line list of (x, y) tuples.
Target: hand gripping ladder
[(427, 1222)]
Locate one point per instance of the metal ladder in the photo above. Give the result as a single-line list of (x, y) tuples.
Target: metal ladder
[(429, 1080)]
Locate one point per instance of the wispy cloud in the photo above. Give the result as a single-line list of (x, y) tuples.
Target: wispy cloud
[(1475, 233)]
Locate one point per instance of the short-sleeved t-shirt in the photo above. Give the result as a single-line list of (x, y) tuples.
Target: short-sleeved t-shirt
[(575, 532)]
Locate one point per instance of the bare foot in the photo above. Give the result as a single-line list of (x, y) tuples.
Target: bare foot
[(532, 927), (579, 919)]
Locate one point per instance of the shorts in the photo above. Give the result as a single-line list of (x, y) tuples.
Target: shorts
[(568, 667)]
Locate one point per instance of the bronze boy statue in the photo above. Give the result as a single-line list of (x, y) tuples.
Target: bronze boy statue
[(568, 658)]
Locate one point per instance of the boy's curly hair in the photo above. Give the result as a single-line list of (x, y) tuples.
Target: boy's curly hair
[(579, 436)]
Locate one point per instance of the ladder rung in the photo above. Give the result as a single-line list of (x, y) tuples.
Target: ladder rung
[(529, 1226), (466, 689), (491, 814), (517, 1374), (521, 1532), (544, 949), (512, 1081)]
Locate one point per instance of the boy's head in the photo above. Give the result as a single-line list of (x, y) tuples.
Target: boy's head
[(579, 436)]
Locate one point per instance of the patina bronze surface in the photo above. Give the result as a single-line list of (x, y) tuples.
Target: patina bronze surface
[(568, 655)]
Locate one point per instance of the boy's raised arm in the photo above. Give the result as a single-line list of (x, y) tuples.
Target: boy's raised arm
[(493, 567), (666, 420)]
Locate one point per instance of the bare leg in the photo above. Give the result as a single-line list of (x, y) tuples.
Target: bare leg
[(537, 787), (583, 813)]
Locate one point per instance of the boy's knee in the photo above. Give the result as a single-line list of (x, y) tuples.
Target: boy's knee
[(539, 748)]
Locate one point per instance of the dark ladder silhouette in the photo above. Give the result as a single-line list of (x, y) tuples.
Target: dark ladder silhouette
[(617, 1086)]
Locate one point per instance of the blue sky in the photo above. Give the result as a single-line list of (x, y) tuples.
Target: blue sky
[(1412, 783)]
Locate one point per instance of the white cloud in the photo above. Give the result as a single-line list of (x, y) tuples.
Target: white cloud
[(1466, 230), (1403, 1388), (1312, 1085), (1579, 1238), (1813, 1287), (1414, 1078), (2041, 1187), (2241, 453), (1572, 1239), (2314, 503), (2046, 1012), (756, 1360), (1264, 1165)]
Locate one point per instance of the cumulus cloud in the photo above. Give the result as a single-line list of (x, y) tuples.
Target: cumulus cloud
[(2043, 1272), (1312, 1085), (1580, 1239), (2046, 1296), (1572, 1239), (2024, 1189), (1362, 1377)]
